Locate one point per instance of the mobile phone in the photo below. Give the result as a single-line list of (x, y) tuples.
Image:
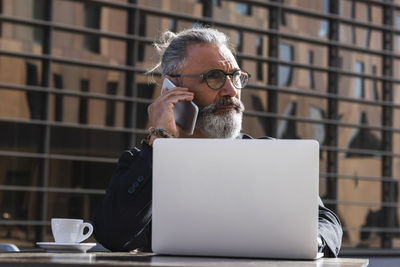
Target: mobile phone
[(185, 112)]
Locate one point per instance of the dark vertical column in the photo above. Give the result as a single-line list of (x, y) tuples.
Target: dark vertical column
[(333, 82), (273, 74), (130, 76), (207, 8), (389, 189), (45, 146), (1, 12)]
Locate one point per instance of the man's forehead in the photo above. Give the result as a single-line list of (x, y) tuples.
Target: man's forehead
[(227, 57), (212, 55)]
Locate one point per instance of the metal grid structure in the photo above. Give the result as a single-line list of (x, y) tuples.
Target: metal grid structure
[(132, 134)]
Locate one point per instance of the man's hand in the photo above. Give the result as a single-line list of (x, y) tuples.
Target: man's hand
[(161, 111)]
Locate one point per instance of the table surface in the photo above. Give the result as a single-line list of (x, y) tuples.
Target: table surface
[(34, 259)]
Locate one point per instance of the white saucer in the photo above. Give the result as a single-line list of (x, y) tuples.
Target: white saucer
[(65, 247)]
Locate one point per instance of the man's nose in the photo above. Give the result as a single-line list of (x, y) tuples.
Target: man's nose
[(228, 89)]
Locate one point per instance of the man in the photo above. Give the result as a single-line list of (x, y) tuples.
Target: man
[(203, 67)]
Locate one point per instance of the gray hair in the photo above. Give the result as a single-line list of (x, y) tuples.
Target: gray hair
[(172, 47)]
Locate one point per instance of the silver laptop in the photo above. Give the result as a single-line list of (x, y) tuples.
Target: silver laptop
[(235, 198)]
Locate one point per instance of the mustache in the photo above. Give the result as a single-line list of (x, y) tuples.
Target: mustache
[(225, 102)]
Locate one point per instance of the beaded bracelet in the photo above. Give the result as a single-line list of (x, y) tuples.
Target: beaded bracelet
[(160, 132), (157, 132)]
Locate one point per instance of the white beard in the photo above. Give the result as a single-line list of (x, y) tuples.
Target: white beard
[(224, 125)]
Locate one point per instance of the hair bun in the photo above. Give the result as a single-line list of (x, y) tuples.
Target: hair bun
[(164, 41)]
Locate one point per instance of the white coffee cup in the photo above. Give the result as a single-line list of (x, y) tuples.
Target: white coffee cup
[(70, 230)]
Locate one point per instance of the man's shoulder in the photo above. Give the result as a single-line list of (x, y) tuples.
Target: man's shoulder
[(246, 136)]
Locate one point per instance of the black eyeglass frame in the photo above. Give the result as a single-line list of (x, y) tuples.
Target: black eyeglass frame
[(205, 77)]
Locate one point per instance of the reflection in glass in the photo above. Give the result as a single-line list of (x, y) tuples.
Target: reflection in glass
[(367, 30), (310, 71), (323, 28), (361, 138), (20, 137), (64, 205), (110, 104), (172, 25), (324, 24), (80, 174), (83, 102), (318, 128), (92, 20), (398, 27), (36, 100), (87, 142), (287, 128), (285, 72), (239, 41), (375, 93), (58, 84), (353, 17), (373, 219), (257, 105), (142, 32), (259, 48), (145, 90), (217, 3), (18, 205), (359, 81), (38, 13), (243, 8)]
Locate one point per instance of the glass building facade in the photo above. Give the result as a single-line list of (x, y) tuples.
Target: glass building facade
[(74, 94)]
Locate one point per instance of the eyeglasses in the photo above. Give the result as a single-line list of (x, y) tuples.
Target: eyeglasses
[(216, 78)]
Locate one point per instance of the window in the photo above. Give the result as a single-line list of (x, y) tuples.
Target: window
[(310, 71), (318, 128), (217, 3), (239, 41), (172, 25), (324, 24), (58, 84), (368, 31), (1, 12), (398, 27), (35, 100), (260, 72), (91, 20), (243, 8), (142, 32), (83, 102), (259, 44), (110, 104), (375, 93), (38, 13), (359, 81), (285, 72), (283, 15), (353, 17), (239, 45)]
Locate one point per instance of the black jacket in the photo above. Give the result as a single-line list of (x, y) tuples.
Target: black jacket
[(123, 221)]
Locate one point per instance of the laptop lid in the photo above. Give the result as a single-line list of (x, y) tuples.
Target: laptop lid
[(235, 198)]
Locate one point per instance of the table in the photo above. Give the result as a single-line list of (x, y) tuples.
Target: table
[(34, 259)]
